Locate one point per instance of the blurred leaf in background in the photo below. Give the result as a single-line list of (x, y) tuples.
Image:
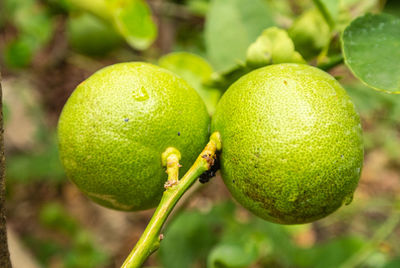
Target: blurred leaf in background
[(42, 165), (380, 112), (191, 235), (222, 238), (130, 18), (32, 152), (77, 249), (196, 71), (133, 20), (329, 9), (90, 35), (231, 26), (34, 26)]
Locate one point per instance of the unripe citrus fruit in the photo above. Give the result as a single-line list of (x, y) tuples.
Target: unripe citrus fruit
[(117, 123), (292, 146)]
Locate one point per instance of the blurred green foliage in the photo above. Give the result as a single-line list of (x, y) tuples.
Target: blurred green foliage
[(196, 71), (132, 19), (77, 249), (90, 35), (231, 26), (42, 165), (220, 238), (383, 111), (35, 27)]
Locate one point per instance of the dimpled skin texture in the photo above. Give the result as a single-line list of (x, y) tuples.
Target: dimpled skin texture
[(117, 123), (292, 148)]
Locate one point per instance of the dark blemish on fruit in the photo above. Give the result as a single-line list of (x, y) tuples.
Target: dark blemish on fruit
[(341, 156), (179, 133), (126, 119), (285, 82), (233, 181)]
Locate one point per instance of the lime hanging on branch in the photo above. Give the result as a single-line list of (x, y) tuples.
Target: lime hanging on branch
[(292, 146), (116, 125)]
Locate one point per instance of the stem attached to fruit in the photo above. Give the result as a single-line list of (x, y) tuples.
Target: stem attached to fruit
[(170, 159), (333, 62), (151, 237)]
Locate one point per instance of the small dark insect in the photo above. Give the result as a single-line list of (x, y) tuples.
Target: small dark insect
[(179, 133), (207, 175), (126, 119)]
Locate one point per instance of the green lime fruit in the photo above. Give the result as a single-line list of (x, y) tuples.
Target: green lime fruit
[(292, 147), (116, 125)]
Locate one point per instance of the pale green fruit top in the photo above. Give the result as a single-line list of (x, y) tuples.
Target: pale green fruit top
[(118, 122), (292, 147)]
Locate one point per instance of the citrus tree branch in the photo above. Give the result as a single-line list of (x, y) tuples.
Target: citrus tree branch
[(4, 253), (96, 7), (333, 62), (151, 237)]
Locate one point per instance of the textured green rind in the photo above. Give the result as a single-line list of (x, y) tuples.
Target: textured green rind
[(292, 148), (118, 122)]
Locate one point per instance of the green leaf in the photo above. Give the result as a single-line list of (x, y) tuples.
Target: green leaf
[(35, 28), (133, 20), (54, 216), (82, 250), (35, 23), (191, 235), (198, 7), (196, 71), (42, 165), (231, 26), (272, 47), (90, 35), (370, 103), (330, 254), (18, 53), (371, 48), (232, 256), (393, 263)]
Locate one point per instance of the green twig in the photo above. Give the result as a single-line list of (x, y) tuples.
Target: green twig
[(98, 8), (324, 12), (151, 237), (332, 62)]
